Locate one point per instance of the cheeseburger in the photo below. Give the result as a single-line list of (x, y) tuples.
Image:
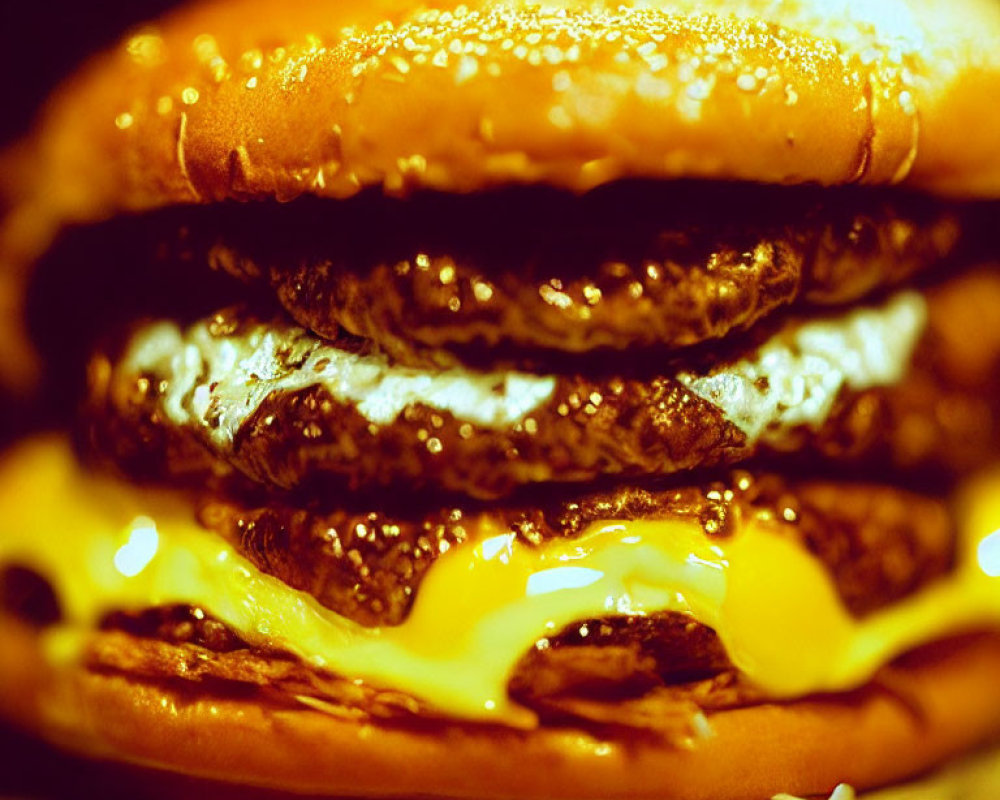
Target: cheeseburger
[(501, 400)]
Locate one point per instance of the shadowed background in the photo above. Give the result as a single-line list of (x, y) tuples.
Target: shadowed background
[(40, 42)]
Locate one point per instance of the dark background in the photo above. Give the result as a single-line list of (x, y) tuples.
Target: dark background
[(43, 40)]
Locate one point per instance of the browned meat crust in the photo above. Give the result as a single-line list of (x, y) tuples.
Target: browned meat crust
[(879, 543), (943, 416), (633, 264), (609, 685), (571, 686), (145, 648), (620, 657)]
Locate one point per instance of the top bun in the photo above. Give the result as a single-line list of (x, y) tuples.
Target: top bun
[(256, 98)]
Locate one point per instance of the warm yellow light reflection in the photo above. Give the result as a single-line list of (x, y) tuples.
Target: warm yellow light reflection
[(146, 49)]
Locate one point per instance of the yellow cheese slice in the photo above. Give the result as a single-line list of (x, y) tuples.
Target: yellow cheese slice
[(106, 546)]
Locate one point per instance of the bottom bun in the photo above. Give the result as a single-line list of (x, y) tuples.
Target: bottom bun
[(944, 699)]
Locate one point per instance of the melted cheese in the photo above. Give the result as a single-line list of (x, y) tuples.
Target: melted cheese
[(105, 546)]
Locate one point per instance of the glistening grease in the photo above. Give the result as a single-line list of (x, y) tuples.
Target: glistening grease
[(216, 381), (484, 604)]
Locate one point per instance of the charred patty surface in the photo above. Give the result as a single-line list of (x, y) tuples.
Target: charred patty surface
[(498, 276), (907, 384)]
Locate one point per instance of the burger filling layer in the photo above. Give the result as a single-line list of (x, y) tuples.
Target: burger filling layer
[(632, 264), (907, 384), (482, 606)]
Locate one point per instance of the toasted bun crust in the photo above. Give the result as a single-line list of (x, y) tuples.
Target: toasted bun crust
[(952, 701), (252, 98)]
